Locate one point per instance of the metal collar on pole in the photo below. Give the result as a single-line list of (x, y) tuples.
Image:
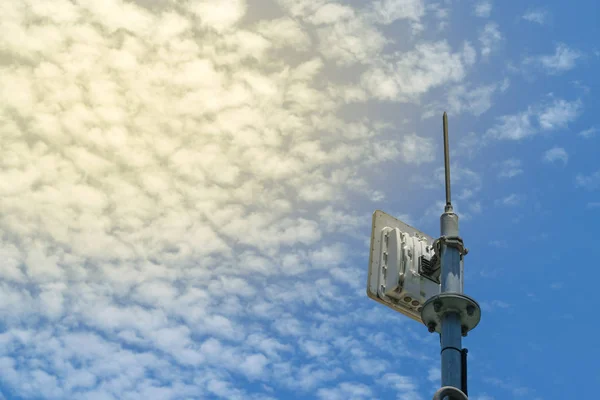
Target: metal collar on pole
[(452, 392)]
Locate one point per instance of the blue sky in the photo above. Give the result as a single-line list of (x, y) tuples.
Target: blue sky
[(186, 190)]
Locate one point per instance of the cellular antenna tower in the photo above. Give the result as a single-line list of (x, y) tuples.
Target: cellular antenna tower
[(423, 279)]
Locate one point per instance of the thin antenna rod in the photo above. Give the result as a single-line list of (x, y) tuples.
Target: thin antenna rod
[(447, 163)]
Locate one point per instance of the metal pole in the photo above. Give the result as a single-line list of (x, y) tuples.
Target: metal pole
[(451, 280), (450, 313)]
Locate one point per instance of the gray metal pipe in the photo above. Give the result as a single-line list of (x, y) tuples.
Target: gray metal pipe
[(451, 278), (451, 344)]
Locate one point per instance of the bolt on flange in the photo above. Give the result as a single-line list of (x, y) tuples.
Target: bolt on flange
[(465, 307)]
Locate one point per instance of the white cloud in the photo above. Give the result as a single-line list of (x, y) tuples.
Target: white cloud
[(409, 75), (469, 54), (440, 13), (417, 150), (406, 387), (218, 15), (399, 382), (483, 8), (489, 37), (494, 305), (345, 391), (475, 208), (388, 11), (347, 40), (513, 127), (370, 366), (465, 98), (434, 375), (469, 144), (315, 349), (475, 100), (588, 133), (589, 182), (538, 16), (559, 114), (510, 200), (483, 397), (285, 32), (556, 154), (254, 365), (330, 13), (513, 387), (563, 59), (510, 168), (545, 117)]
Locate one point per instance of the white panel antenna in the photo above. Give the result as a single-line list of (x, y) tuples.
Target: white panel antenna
[(403, 266)]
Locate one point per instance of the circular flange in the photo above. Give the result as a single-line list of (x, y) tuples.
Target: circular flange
[(435, 308)]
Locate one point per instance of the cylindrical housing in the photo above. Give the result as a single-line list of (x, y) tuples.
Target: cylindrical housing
[(450, 256), (449, 224)]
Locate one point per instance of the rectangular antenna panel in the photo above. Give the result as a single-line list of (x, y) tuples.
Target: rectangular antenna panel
[(403, 267)]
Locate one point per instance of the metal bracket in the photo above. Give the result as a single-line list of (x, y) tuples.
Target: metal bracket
[(435, 308), (450, 241)]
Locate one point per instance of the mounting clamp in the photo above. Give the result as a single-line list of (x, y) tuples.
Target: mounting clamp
[(450, 241), (436, 307)]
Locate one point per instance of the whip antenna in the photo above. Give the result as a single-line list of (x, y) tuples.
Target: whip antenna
[(448, 207)]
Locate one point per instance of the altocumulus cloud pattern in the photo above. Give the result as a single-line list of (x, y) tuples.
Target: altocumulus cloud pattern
[(185, 192), (169, 182)]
